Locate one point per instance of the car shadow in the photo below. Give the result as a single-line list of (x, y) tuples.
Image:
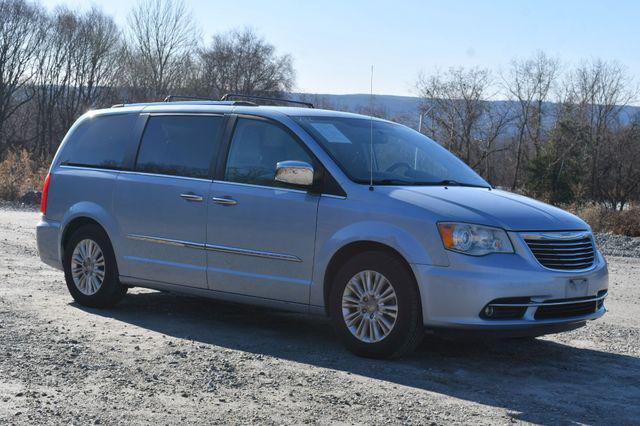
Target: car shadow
[(536, 380)]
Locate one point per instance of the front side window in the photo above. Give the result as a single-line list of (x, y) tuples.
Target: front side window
[(401, 156), (256, 148), (101, 141), (181, 145)]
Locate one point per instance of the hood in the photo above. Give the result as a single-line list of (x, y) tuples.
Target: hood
[(487, 207)]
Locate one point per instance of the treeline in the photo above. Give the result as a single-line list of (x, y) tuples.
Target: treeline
[(563, 134), (54, 66)]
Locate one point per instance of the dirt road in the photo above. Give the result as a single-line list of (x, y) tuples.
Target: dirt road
[(165, 359)]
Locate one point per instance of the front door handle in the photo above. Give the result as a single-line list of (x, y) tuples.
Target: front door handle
[(191, 197), (225, 201)]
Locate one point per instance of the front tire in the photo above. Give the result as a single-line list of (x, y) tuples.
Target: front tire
[(375, 306), (90, 268)]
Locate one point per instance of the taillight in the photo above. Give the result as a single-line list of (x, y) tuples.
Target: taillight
[(45, 193)]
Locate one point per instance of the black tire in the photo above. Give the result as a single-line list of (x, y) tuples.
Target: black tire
[(408, 330), (111, 290)]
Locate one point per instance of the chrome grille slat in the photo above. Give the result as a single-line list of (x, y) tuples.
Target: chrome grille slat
[(559, 246), (564, 259), (565, 252)]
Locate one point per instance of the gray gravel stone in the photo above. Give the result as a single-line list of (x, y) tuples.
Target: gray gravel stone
[(618, 245)]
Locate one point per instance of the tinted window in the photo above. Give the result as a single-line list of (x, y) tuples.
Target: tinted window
[(102, 141), (256, 148), (179, 145)]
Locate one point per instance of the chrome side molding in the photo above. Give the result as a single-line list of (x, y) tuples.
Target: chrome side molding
[(214, 247), (255, 253), (168, 241)]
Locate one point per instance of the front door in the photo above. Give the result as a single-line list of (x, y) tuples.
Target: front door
[(161, 205), (260, 233)]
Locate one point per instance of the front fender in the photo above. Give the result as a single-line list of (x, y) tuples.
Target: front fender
[(337, 229)]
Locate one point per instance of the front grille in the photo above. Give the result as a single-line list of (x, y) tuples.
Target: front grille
[(562, 253)]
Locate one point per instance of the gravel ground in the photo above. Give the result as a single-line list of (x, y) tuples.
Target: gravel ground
[(158, 358)]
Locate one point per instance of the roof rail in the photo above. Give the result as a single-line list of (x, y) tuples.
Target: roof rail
[(171, 98), (264, 98)]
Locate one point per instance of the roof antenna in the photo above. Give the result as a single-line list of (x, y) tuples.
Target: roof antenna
[(371, 134)]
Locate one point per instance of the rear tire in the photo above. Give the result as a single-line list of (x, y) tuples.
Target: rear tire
[(356, 306), (90, 268)]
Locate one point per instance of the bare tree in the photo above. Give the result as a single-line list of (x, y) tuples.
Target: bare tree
[(599, 91), (21, 34), (462, 117), (51, 78), (243, 62), (92, 65), (161, 38), (528, 84), (619, 168)]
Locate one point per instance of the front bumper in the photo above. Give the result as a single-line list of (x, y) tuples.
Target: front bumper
[(454, 297)]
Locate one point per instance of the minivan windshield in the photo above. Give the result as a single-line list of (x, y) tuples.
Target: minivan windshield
[(401, 156)]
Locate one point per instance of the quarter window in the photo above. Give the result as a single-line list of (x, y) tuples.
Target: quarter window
[(180, 145), (256, 148), (101, 141)]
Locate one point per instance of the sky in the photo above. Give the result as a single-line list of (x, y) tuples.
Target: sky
[(334, 43)]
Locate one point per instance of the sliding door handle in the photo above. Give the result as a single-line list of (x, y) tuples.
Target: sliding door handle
[(191, 197), (225, 201)]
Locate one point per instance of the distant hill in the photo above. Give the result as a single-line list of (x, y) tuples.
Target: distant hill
[(401, 108), (395, 106)]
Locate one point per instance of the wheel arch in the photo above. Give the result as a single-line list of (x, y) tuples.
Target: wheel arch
[(73, 225), (349, 250)]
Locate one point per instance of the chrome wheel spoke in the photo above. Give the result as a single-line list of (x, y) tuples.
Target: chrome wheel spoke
[(368, 285), (350, 301), (391, 312), (354, 288), (387, 292), (82, 284), (93, 248), (351, 318), (378, 281), (361, 329), (384, 324), (369, 306)]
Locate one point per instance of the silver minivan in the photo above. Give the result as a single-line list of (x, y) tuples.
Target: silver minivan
[(338, 214)]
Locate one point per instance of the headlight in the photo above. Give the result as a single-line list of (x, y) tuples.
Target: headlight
[(474, 240)]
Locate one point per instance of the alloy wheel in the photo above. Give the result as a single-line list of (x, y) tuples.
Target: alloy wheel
[(369, 306), (88, 267)]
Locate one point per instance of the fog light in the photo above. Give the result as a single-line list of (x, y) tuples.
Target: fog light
[(488, 311)]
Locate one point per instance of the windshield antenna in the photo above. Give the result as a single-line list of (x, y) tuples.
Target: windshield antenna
[(371, 134)]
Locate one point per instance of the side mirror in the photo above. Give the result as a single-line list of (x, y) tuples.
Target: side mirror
[(294, 173)]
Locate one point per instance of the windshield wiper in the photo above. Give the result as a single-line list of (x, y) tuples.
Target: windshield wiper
[(393, 182), (445, 182), (450, 182)]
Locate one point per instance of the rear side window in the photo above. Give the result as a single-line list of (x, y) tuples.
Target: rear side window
[(182, 145), (102, 141)]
